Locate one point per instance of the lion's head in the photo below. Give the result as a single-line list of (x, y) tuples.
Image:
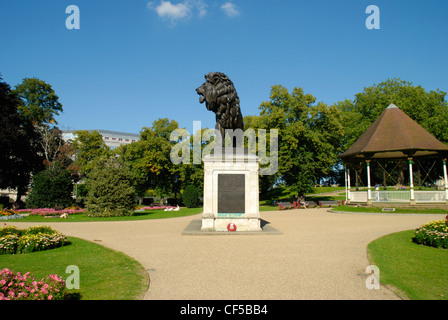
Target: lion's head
[(220, 96)]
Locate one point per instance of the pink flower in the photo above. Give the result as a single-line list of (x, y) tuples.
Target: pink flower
[(50, 297)]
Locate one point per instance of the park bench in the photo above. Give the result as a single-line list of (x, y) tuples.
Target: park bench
[(311, 204), (285, 205), (331, 203)]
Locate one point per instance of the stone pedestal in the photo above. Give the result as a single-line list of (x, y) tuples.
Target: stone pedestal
[(231, 192)]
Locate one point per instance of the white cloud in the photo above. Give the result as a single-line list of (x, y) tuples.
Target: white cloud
[(172, 11), (181, 10), (230, 9), (202, 7)]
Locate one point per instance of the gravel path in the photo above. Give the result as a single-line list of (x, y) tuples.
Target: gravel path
[(318, 255)]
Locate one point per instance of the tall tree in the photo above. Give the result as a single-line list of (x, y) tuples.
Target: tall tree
[(39, 102), (149, 159), (429, 109), (150, 162), (109, 190), (90, 150), (19, 157), (309, 138)]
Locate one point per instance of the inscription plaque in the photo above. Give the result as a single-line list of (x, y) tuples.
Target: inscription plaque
[(231, 194)]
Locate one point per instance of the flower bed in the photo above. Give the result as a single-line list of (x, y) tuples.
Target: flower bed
[(51, 212), (434, 234), (15, 286), (36, 238), (6, 214)]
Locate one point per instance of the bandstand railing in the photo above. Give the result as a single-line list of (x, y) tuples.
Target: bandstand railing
[(402, 196)]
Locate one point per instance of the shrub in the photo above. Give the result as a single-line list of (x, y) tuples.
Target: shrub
[(110, 192), (8, 244), (434, 234), (8, 230), (40, 241), (34, 238), (190, 196), (52, 187), (40, 229), (15, 286)]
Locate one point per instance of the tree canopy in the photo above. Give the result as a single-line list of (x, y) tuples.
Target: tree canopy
[(90, 150), (150, 162), (51, 187), (39, 103), (109, 190), (19, 156), (309, 138), (428, 109)]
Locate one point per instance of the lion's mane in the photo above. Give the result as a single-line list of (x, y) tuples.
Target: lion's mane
[(220, 96)]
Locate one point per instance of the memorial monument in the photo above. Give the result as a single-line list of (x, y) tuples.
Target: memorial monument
[(231, 193)]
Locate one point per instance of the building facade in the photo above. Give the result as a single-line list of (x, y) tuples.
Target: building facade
[(113, 139)]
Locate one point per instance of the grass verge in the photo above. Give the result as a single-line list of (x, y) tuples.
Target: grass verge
[(105, 274), (417, 271)]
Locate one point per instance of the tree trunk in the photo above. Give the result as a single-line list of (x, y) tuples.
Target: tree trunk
[(18, 203)]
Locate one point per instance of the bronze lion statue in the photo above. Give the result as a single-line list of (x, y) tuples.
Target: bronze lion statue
[(220, 96)]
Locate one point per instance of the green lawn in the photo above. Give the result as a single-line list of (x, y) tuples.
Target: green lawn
[(418, 271), (105, 274), (138, 215), (397, 209)]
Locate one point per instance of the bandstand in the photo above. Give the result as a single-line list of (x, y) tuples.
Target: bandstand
[(394, 136)]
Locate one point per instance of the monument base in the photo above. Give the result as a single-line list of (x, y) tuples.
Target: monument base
[(222, 224), (231, 195)]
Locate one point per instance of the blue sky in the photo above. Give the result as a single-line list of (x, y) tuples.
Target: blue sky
[(134, 61)]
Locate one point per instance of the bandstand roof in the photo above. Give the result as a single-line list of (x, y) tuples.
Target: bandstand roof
[(394, 135)]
